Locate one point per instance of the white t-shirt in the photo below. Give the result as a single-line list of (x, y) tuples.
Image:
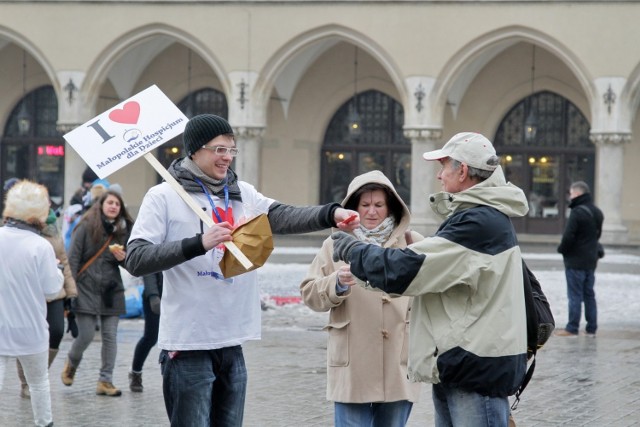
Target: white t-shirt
[(199, 309), (28, 274)]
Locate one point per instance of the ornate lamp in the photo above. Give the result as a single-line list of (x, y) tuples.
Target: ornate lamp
[(531, 122), (24, 118), (353, 119)]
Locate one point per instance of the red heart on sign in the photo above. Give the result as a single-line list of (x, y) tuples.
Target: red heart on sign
[(128, 114)]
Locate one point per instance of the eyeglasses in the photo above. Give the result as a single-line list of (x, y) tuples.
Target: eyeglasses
[(221, 151)]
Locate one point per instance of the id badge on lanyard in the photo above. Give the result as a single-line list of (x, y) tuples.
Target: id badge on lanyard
[(218, 215)]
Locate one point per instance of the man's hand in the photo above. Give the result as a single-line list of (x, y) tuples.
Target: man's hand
[(346, 219), (217, 234), (342, 245)]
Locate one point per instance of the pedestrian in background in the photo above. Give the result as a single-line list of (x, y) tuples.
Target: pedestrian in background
[(151, 309), (97, 251), (468, 326), (30, 274), (368, 331), (579, 249), (205, 317), (88, 177)]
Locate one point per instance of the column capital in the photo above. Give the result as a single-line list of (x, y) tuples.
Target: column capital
[(64, 128), (248, 131), (426, 134), (610, 138)]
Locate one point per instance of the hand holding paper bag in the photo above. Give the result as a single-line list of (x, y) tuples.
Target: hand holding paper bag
[(255, 240)]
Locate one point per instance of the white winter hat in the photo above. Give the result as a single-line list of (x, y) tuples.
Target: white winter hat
[(467, 147), (27, 201)]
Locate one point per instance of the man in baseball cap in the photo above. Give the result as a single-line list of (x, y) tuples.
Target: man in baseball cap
[(468, 334), (467, 147)]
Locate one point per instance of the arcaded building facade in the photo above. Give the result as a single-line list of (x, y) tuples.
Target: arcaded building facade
[(555, 85)]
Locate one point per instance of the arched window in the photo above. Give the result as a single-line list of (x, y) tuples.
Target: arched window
[(37, 154), (204, 101), (380, 145), (545, 166)]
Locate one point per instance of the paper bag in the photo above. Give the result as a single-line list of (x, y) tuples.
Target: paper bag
[(255, 240)]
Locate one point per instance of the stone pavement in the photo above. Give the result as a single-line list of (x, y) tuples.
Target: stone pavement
[(579, 381)]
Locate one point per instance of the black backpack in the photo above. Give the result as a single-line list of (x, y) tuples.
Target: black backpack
[(540, 323)]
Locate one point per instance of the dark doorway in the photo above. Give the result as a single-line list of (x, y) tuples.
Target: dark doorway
[(544, 166), (380, 145)]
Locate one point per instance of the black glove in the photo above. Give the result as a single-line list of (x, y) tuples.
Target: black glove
[(154, 303), (71, 324), (342, 245), (70, 304)]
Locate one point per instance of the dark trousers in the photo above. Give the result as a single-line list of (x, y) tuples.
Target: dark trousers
[(55, 319), (149, 338)]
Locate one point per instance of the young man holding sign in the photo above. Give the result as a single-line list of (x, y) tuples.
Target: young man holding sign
[(206, 317)]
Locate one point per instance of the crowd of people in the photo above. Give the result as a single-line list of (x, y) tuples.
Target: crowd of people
[(447, 310)]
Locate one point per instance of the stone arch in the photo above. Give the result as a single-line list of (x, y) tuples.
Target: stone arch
[(293, 58), (165, 34), (630, 97), (11, 36), (464, 65)]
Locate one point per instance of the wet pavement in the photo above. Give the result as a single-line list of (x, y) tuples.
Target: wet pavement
[(579, 381)]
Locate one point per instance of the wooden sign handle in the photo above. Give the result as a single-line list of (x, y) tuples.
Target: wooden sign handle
[(246, 263)]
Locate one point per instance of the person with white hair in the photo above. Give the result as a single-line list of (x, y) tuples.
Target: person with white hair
[(30, 275)]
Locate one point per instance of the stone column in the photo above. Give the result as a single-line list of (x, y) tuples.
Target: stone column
[(73, 110), (423, 178), (609, 182), (247, 166)]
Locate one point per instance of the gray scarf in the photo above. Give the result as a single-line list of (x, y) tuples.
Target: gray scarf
[(185, 171)]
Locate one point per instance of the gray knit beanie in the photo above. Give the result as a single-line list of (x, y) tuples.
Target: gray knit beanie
[(202, 129)]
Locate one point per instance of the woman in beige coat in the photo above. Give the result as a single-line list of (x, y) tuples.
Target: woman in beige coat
[(368, 331)]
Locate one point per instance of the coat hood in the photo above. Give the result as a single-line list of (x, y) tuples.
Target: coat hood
[(495, 192), (378, 177)]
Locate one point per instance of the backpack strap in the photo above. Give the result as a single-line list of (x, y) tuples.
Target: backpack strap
[(532, 331)]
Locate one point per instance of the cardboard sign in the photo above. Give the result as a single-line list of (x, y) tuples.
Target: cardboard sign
[(128, 131)]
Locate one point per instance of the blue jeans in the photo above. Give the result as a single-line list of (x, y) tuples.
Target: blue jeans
[(204, 387), (379, 414), (580, 287), (456, 407)]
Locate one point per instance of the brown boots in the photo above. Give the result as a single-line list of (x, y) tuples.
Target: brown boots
[(68, 373), (102, 389), (107, 389)]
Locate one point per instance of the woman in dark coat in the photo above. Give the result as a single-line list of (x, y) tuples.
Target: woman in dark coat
[(97, 250)]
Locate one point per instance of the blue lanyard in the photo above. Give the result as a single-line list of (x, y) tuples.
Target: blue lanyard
[(213, 206)]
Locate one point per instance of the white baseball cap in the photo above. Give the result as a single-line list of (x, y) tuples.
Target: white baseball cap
[(467, 147)]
